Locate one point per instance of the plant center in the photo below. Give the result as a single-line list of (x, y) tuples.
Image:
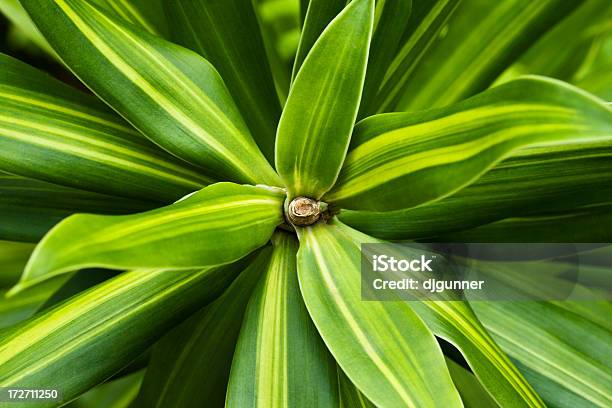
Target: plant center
[(303, 211)]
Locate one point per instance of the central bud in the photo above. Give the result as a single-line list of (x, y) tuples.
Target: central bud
[(303, 211)]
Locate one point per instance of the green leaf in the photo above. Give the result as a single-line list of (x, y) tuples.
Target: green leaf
[(472, 393), (596, 311), (280, 360), (350, 396), (303, 10), (427, 20), (83, 341), (146, 14), (407, 159), (227, 34), (29, 208), (564, 50), (595, 73), (112, 394), (13, 258), (481, 39), (281, 34), (317, 15), (598, 83), (17, 308), (171, 94), (190, 366), (383, 347), (584, 224), (315, 128), (452, 319), (217, 225), (391, 22), (565, 356), (455, 322), (52, 132), (76, 283), (557, 178), (15, 13)]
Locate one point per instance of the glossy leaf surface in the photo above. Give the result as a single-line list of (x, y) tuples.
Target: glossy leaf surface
[(15, 13), (404, 160), (428, 19), (13, 258), (317, 121), (582, 224), (146, 14), (55, 133), (17, 308), (350, 396), (563, 52), (227, 34), (392, 21), (29, 208), (560, 178), (318, 14), (564, 355), (280, 360), (452, 320), (174, 96), (481, 39), (214, 226), (179, 373), (383, 347), (131, 311), (472, 393)]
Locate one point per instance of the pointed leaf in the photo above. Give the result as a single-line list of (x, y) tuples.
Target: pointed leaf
[(566, 357), (190, 366), (472, 393), (303, 10), (15, 13), (317, 121), (350, 396), (146, 14), (227, 34), (585, 224), (317, 15), (171, 94), (454, 321), (598, 83), (404, 160), (280, 360), (393, 18), (83, 341), (76, 283), (426, 23), (17, 308), (52, 132), (481, 39), (383, 347), (280, 32), (14, 309), (562, 52), (29, 208), (556, 178), (119, 393), (217, 225), (13, 258)]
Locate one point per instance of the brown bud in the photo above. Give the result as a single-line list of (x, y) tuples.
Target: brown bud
[(303, 211)]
